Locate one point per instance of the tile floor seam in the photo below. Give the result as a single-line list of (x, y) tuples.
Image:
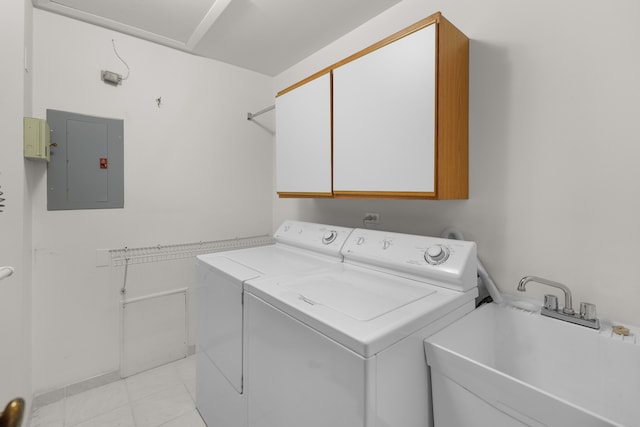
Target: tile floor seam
[(137, 399), (97, 415), (130, 401), (180, 375), (146, 401), (171, 420)]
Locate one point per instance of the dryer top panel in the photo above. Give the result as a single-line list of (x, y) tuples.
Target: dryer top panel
[(326, 239), (444, 262)]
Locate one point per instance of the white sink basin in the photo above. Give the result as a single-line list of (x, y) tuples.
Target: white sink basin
[(509, 367)]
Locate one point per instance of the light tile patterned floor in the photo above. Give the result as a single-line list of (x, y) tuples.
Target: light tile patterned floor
[(163, 396)]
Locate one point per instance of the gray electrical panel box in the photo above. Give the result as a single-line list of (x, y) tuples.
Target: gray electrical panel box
[(86, 170)]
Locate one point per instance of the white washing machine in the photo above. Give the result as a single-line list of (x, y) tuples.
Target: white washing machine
[(299, 246), (343, 346)]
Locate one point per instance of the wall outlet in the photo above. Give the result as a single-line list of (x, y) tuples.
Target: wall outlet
[(371, 218)]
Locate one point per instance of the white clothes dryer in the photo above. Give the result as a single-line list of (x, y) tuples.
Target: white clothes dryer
[(343, 346), (299, 246)]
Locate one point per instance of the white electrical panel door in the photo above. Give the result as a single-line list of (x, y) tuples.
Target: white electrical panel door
[(384, 118), (303, 138)]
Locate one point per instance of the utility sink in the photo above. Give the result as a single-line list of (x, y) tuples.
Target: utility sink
[(504, 366)]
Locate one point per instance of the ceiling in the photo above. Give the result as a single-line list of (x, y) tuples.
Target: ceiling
[(267, 36)]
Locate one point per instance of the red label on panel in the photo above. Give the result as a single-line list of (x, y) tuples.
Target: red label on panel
[(104, 163)]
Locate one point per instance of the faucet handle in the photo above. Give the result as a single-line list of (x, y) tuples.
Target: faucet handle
[(551, 302), (587, 311)]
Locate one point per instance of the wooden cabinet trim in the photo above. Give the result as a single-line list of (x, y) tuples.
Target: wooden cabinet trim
[(284, 195), (383, 195), (452, 112), (305, 81), (331, 125)]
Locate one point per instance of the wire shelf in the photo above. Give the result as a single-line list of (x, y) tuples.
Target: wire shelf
[(159, 253)]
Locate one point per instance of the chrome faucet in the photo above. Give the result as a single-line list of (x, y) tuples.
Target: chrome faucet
[(568, 305), (586, 317)]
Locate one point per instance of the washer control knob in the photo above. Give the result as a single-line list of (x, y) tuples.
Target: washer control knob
[(329, 237), (436, 254), (360, 241)]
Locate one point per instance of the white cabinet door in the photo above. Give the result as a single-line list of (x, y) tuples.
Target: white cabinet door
[(303, 138), (384, 118)]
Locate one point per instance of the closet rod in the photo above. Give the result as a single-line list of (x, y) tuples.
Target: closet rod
[(250, 116)]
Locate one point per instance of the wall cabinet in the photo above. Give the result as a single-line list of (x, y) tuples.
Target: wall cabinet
[(398, 126), (303, 132)]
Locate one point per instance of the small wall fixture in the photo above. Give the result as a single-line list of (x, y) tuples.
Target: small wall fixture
[(111, 78)]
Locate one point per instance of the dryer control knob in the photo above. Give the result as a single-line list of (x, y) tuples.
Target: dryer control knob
[(436, 254), (329, 237)]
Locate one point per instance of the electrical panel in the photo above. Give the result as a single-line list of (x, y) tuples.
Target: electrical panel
[(86, 170), (37, 139)]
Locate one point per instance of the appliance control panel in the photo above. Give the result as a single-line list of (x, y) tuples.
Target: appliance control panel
[(323, 238), (445, 262)]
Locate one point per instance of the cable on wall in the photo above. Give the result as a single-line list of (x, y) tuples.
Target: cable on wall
[(113, 78), (486, 280), (113, 42)]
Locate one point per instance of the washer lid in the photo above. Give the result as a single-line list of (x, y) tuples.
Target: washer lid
[(361, 296), (360, 308), (237, 272), (265, 260)]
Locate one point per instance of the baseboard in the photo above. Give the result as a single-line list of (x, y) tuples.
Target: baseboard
[(56, 395), (53, 396)]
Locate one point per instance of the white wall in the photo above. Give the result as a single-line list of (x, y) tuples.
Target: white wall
[(553, 148), (15, 224), (554, 145), (195, 170)]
